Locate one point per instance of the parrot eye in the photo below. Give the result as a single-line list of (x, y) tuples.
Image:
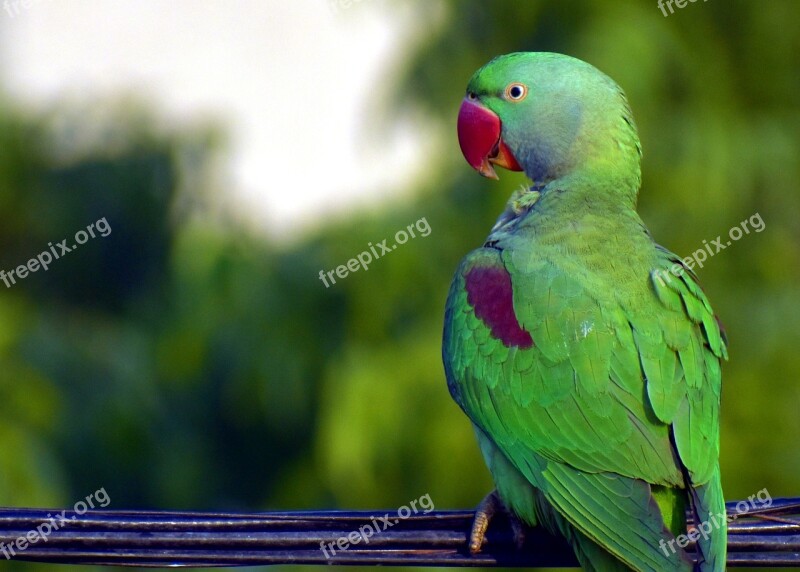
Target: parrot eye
[(471, 96), (516, 91)]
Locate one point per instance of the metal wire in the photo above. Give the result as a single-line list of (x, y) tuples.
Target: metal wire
[(764, 537)]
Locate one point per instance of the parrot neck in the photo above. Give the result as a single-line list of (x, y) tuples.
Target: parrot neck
[(547, 207), (593, 187), (599, 153)]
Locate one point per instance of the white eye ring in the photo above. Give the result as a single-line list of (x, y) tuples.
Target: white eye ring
[(516, 91)]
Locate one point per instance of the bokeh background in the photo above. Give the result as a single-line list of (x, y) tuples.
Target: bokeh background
[(193, 359)]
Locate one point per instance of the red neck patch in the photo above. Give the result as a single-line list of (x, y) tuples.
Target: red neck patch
[(490, 295)]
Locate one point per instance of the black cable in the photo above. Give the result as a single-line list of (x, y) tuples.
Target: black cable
[(758, 538)]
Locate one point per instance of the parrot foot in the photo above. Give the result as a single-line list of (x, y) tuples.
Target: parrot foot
[(486, 510), (483, 515)]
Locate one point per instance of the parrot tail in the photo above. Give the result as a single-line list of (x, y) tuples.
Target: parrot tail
[(593, 558), (711, 522)]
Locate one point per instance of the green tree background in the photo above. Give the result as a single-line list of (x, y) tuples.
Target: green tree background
[(186, 362)]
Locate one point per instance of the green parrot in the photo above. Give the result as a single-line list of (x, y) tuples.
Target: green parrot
[(586, 355)]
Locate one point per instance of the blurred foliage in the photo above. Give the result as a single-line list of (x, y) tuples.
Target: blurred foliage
[(185, 362)]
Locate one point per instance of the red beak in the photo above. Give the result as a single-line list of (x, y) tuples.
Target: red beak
[(479, 131)]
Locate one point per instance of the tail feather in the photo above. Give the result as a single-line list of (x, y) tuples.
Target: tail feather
[(595, 557), (711, 523), (592, 557)]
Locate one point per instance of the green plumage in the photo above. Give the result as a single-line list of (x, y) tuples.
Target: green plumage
[(607, 427)]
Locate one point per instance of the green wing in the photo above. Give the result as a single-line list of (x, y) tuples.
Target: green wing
[(589, 412), (693, 410)]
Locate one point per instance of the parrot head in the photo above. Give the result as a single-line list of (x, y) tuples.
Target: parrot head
[(546, 114)]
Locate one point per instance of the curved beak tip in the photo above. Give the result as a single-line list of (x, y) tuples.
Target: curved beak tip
[(479, 132), (488, 171)]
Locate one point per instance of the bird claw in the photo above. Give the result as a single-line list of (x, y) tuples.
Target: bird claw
[(487, 509), (483, 515)]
